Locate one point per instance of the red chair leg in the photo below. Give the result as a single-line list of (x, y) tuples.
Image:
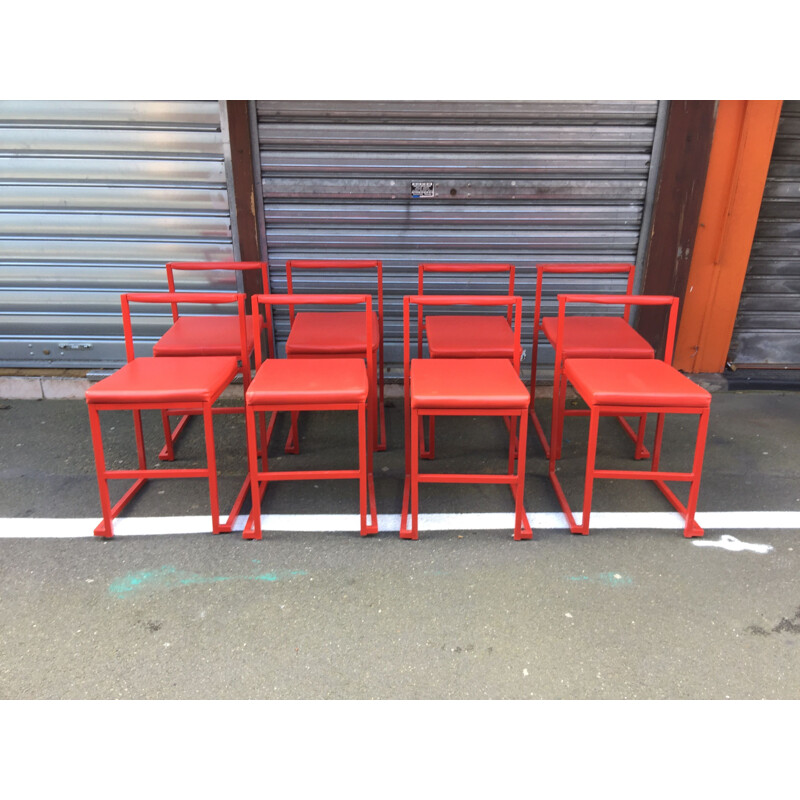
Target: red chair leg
[(104, 529), (362, 468), (659, 437), (641, 451), (168, 451), (537, 425), (380, 442), (591, 458), (428, 451), (559, 399), (409, 527), (637, 437), (415, 476), (110, 512), (692, 528), (522, 528), (293, 439), (171, 436), (211, 464), (511, 426), (253, 526)]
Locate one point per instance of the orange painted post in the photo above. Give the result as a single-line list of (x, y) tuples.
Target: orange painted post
[(737, 172)]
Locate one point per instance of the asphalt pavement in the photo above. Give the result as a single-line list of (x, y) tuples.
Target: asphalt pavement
[(636, 612)]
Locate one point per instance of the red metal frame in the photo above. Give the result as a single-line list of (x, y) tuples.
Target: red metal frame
[(558, 399), (205, 408), (413, 422), (259, 479), (599, 409), (460, 268), (171, 436), (379, 439), (559, 382), (429, 451)]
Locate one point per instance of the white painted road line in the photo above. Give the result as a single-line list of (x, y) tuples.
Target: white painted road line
[(728, 542), (67, 528)]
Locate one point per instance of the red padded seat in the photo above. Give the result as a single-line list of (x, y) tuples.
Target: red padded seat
[(166, 380), (314, 332), (604, 381), (469, 336), (594, 337), (204, 336), (466, 383), (309, 380)]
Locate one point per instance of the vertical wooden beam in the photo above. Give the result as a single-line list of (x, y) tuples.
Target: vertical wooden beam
[(682, 175), (244, 190), (737, 174)]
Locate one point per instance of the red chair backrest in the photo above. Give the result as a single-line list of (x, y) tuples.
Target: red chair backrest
[(619, 299), (335, 264), (460, 300), (173, 298), (269, 300)]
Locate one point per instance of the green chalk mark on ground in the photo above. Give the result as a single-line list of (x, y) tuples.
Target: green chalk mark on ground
[(169, 577)]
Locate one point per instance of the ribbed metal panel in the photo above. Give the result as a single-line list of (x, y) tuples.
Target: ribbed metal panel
[(522, 182), (95, 198), (767, 330)]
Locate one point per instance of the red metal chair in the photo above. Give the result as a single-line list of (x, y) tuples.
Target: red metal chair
[(634, 387), (464, 335), (207, 335), (193, 384), (320, 334), (312, 384), (463, 387), (584, 337)]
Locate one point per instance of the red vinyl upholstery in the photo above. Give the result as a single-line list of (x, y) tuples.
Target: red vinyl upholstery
[(466, 383), (310, 380), (608, 381), (165, 380), (330, 333), (204, 336), (590, 337), (470, 336)]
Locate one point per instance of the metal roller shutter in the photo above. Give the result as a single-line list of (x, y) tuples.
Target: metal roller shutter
[(95, 197), (767, 330), (520, 182)]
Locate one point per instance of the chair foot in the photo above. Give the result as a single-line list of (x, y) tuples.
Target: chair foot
[(107, 532), (292, 445), (641, 452), (167, 451), (372, 510), (524, 530), (405, 531), (693, 532), (100, 531), (250, 531)]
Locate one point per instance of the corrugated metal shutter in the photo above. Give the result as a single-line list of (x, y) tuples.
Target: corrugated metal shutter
[(767, 330), (95, 197), (514, 182)]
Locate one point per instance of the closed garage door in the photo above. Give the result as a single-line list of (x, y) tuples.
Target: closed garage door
[(767, 330), (506, 182), (95, 197)]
